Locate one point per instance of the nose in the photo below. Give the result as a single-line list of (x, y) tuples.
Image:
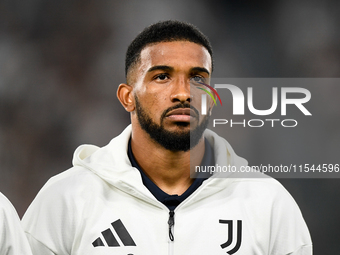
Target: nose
[(181, 91)]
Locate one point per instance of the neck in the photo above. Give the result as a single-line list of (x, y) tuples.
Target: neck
[(169, 170)]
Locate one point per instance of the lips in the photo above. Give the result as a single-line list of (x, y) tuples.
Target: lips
[(181, 115)]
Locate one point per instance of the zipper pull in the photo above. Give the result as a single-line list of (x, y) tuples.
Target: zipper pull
[(171, 223)]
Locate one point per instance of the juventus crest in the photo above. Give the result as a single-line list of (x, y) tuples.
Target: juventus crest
[(231, 231)]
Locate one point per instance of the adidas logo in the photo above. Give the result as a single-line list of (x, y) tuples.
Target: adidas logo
[(110, 238)]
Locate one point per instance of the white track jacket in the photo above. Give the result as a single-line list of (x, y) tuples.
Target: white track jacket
[(12, 237), (100, 206)]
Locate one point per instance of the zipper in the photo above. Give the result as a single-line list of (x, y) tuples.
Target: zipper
[(171, 220), (171, 223)]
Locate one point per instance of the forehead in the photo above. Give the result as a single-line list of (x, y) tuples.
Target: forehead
[(178, 54)]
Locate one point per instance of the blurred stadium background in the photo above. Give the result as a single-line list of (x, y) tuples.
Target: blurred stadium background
[(61, 62)]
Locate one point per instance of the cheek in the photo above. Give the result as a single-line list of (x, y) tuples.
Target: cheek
[(152, 102), (160, 103), (196, 95), (195, 91), (154, 99), (157, 99)]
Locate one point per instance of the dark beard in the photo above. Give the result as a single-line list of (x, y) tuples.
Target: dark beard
[(173, 141)]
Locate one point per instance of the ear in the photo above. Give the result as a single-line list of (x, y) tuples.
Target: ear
[(125, 96)]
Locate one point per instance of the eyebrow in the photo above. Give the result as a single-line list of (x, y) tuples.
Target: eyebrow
[(163, 68), (199, 70), (169, 68)]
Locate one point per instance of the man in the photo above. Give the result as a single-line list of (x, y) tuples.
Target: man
[(135, 195), (12, 237)]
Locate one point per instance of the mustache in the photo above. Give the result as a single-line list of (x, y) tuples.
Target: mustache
[(180, 105)]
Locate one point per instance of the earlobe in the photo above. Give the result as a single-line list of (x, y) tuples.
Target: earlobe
[(125, 96)]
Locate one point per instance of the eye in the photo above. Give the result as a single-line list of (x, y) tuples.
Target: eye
[(197, 79), (161, 77)]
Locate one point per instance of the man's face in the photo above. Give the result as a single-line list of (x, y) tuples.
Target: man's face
[(166, 97)]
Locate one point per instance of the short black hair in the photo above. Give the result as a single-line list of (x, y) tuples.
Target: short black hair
[(164, 31)]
